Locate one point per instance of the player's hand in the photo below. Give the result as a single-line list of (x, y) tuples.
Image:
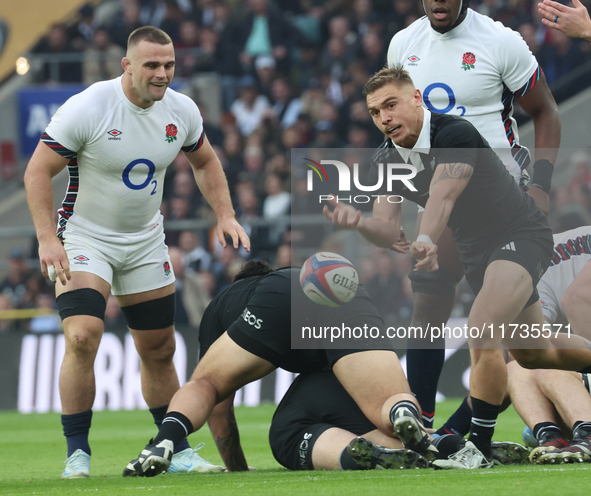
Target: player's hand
[(52, 254), (541, 198), (426, 254), (402, 245), (229, 226), (343, 216), (574, 22)]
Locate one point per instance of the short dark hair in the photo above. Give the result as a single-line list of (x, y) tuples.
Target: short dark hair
[(253, 268), (387, 75), (150, 34)]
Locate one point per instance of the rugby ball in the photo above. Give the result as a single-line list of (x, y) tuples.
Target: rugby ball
[(329, 279)]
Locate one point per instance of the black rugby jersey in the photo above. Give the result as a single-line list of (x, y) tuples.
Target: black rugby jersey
[(491, 204)]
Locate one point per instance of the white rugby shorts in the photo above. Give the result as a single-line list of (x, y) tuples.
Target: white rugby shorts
[(130, 262)]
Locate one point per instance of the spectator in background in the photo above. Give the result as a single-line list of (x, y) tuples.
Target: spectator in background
[(47, 322), (326, 136), (125, 23), (582, 164), (277, 200), (266, 31), (254, 161), (103, 59), (226, 54), (186, 46), (265, 72), (373, 53), (313, 99), (277, 203), (286, 108), (5, 306), (206, 55), (36, 285), (15, 284), (250, 108), (234, 163), (81, 33), (336, 58), (248, 211), (194, 256), (56, 43), (358, 136), (205, 12)]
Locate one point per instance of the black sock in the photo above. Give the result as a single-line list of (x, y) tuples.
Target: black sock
[(547, 430), (76, 427), (347, 463), (484, 420), (460, 421), (159, 414), (580, 426), (175, 427), (409, 405), (448, 444), (423, 368)]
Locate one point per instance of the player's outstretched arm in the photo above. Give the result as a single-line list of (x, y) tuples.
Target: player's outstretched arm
[(212, 182), (43, 166), (541, 106), (224, 429), (448, 182), (382, 229), (574, 22)]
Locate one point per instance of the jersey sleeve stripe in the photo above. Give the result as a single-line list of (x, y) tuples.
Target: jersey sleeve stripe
[(196, 146), (530, 84), (56, 147)]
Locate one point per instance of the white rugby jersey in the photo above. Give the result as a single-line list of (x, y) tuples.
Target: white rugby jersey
[(119, 154), (572, 250), (475, 71)]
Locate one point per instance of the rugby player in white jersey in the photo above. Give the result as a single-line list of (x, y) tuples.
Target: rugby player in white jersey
[(556, 403), (117, 138), (466, 64)]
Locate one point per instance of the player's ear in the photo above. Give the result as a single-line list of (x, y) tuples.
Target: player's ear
[(418, 98), (126, 64)]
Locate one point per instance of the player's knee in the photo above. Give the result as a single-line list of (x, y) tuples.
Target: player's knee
[(157, 348), (83, 341)]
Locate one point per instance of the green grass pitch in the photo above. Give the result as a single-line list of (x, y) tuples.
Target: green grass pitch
[(32, 450)]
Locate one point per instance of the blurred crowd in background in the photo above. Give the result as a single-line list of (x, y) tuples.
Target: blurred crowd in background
[(291, 74)]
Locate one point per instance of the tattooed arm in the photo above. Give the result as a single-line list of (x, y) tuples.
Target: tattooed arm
[(447, 184), (223, 427)]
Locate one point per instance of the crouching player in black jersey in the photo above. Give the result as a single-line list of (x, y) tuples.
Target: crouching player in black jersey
[(503, 240), (245, 334)]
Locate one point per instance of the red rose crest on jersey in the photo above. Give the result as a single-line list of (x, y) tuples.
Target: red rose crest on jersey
[(166, 267), (468, 61), (171, 132)]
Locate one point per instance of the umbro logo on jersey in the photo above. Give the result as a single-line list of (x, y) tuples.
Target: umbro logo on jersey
[(413, 60), (510, 247), (114, 134), (81, 260)]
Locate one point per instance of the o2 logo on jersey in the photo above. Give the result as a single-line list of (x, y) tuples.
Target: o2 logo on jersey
[(450, 95), (151, 170)]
